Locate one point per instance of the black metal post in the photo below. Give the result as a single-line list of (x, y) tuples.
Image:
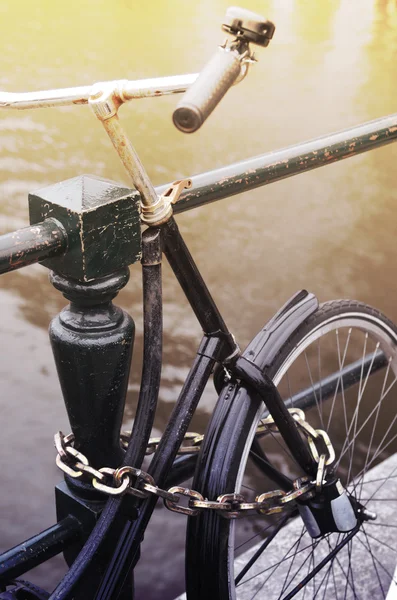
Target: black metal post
[(89, 565), (92, 341), (91, 338)]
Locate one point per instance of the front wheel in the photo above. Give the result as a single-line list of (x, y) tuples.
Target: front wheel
[(340, 366)]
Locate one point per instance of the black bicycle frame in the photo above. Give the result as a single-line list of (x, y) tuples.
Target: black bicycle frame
[(106, 561)]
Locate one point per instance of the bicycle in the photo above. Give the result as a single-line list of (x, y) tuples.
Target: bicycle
[(250, 376)]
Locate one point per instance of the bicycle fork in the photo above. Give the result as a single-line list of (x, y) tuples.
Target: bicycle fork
[(328, 508)]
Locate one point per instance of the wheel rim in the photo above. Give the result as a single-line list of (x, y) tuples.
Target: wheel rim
[(368, 440)]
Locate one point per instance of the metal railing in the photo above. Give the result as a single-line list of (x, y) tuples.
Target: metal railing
[(46, 239)]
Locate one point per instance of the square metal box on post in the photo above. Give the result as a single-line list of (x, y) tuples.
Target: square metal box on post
[(102, 222)]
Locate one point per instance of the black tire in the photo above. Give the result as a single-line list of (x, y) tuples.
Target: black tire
[(353, 330)]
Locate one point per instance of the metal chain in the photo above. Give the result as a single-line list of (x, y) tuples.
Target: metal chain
[(324, 457), (195, 440), (231, 506), (313, 435)]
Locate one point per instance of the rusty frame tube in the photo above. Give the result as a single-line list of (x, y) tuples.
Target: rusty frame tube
[(31, 244), (274, 166)]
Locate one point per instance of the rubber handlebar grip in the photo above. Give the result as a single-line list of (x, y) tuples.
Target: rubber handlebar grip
[(205, 93)]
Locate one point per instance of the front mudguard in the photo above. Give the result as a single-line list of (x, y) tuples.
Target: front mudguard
[(262, 350)]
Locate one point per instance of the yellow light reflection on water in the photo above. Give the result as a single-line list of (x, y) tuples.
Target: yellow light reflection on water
[(352, 30), (281, 12)]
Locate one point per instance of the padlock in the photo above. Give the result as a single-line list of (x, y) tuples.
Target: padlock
[(329, 511)]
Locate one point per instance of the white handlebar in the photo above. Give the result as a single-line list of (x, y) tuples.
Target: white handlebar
[(126, 90)]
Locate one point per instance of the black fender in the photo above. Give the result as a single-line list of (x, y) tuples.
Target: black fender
[(268, 342)]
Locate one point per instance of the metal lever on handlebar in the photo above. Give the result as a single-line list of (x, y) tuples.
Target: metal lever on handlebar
[(227, 66)]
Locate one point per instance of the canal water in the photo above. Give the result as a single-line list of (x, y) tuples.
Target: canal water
[(330, 66)]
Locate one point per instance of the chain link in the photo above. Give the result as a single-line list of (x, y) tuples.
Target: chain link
[(195, 440), (129, 480), (314, 437)]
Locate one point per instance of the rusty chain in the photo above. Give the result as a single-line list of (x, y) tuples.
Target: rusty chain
[(194, 439), (140, 484)]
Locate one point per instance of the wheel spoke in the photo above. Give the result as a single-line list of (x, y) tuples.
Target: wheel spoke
[(308, 558), (341, 365), (368, 481), (344, 449), (276, 567), (375, 423), (372, 524), (331, 369), (381, 542), (380, 564), (286, 582), (333, 577), (360, 395), (262, 548), (261, 532), (368, 546), (313, 388), (345, 575), (385, 481), (349, 551), (324, 579), (276, 438), (344, 404), (321, 564), (359, 399), (286, 557), (320, 380)]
